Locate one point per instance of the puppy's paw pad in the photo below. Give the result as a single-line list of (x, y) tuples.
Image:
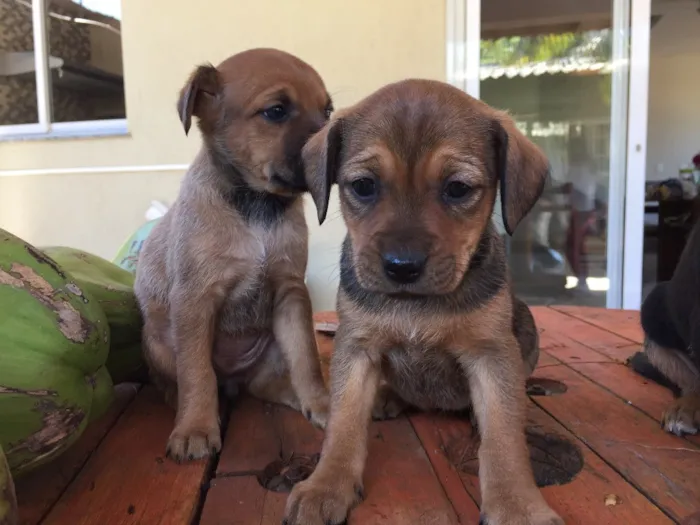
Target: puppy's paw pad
[(683, 416), (193, 445)]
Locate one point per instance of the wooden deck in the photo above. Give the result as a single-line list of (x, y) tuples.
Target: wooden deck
[(601, 438)]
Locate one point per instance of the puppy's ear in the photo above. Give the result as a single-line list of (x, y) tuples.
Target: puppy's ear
[(202, 86), (321, 157), (522, 171)]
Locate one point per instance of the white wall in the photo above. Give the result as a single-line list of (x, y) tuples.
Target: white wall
[(674, 89)]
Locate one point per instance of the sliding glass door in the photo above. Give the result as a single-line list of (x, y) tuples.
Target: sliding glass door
[(562, 69)]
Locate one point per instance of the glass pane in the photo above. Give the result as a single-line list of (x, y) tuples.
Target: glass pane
[(549, 64), (17, 80), (85, 48), (673, 138)]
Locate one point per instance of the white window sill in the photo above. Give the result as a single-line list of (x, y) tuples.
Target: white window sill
[(65, 130)]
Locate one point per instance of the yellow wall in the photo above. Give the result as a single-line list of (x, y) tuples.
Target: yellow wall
[(356, 46)]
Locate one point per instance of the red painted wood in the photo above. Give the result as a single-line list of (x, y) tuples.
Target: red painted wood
[(127, 480)]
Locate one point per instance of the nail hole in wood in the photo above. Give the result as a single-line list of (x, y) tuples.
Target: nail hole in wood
[(555, 459), (540, 386)]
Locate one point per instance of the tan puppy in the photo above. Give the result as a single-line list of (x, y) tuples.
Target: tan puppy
[(220, 279), (425, 302)]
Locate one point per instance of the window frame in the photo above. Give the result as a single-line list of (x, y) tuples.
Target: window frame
[(45, 128)]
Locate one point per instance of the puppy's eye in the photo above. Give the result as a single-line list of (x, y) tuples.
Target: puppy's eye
[(365, 188), (456, 191), (275, 114), (328, 111)]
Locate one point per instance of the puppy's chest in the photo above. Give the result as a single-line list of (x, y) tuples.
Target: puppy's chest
[(426, 375), (249, 304)]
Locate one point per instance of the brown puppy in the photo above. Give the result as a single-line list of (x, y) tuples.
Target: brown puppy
[(220, 279), (425, 303)]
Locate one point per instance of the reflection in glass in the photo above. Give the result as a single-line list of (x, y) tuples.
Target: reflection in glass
[(17, 81), (87, 81), (556, 83)]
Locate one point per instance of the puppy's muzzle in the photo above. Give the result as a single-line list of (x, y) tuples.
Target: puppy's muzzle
[(404, 267)]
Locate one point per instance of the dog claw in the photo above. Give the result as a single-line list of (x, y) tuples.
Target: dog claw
[(683, 416), (360, 493), (316, 411), (192, 445)]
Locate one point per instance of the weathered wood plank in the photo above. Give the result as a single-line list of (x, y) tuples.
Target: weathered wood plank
[(572, 340), (624, 323), (400, 483), (239, 500), (258, 434), (325, 349), (582, 500), (128, 480), (251, 440), (660, 465), (432, 430), (39, 490), (649, 397)]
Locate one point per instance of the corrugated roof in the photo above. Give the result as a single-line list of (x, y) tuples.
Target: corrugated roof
[(554, 67)]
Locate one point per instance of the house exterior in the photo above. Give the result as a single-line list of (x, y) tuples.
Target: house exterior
[(81, 165)]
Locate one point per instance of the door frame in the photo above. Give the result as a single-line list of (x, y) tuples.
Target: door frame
[(628, 128)]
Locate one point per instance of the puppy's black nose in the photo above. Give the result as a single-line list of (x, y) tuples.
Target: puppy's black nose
[(404, 268)]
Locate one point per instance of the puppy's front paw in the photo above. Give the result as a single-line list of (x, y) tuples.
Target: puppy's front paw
[(517, 514), (683, 416), (193, 443), (387, 404), (321, 502), (316, 409)]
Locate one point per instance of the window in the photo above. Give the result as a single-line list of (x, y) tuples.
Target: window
[(61, 68)]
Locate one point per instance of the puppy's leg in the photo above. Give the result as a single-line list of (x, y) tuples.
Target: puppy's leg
[(336, 484), (159, 357), (683, 415), (197, 431), (293, 329), (497, 386), (271, 381)]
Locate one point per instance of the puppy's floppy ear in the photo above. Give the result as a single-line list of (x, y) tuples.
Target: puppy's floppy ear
[(321, 157), (201, 87), (522, 170)]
